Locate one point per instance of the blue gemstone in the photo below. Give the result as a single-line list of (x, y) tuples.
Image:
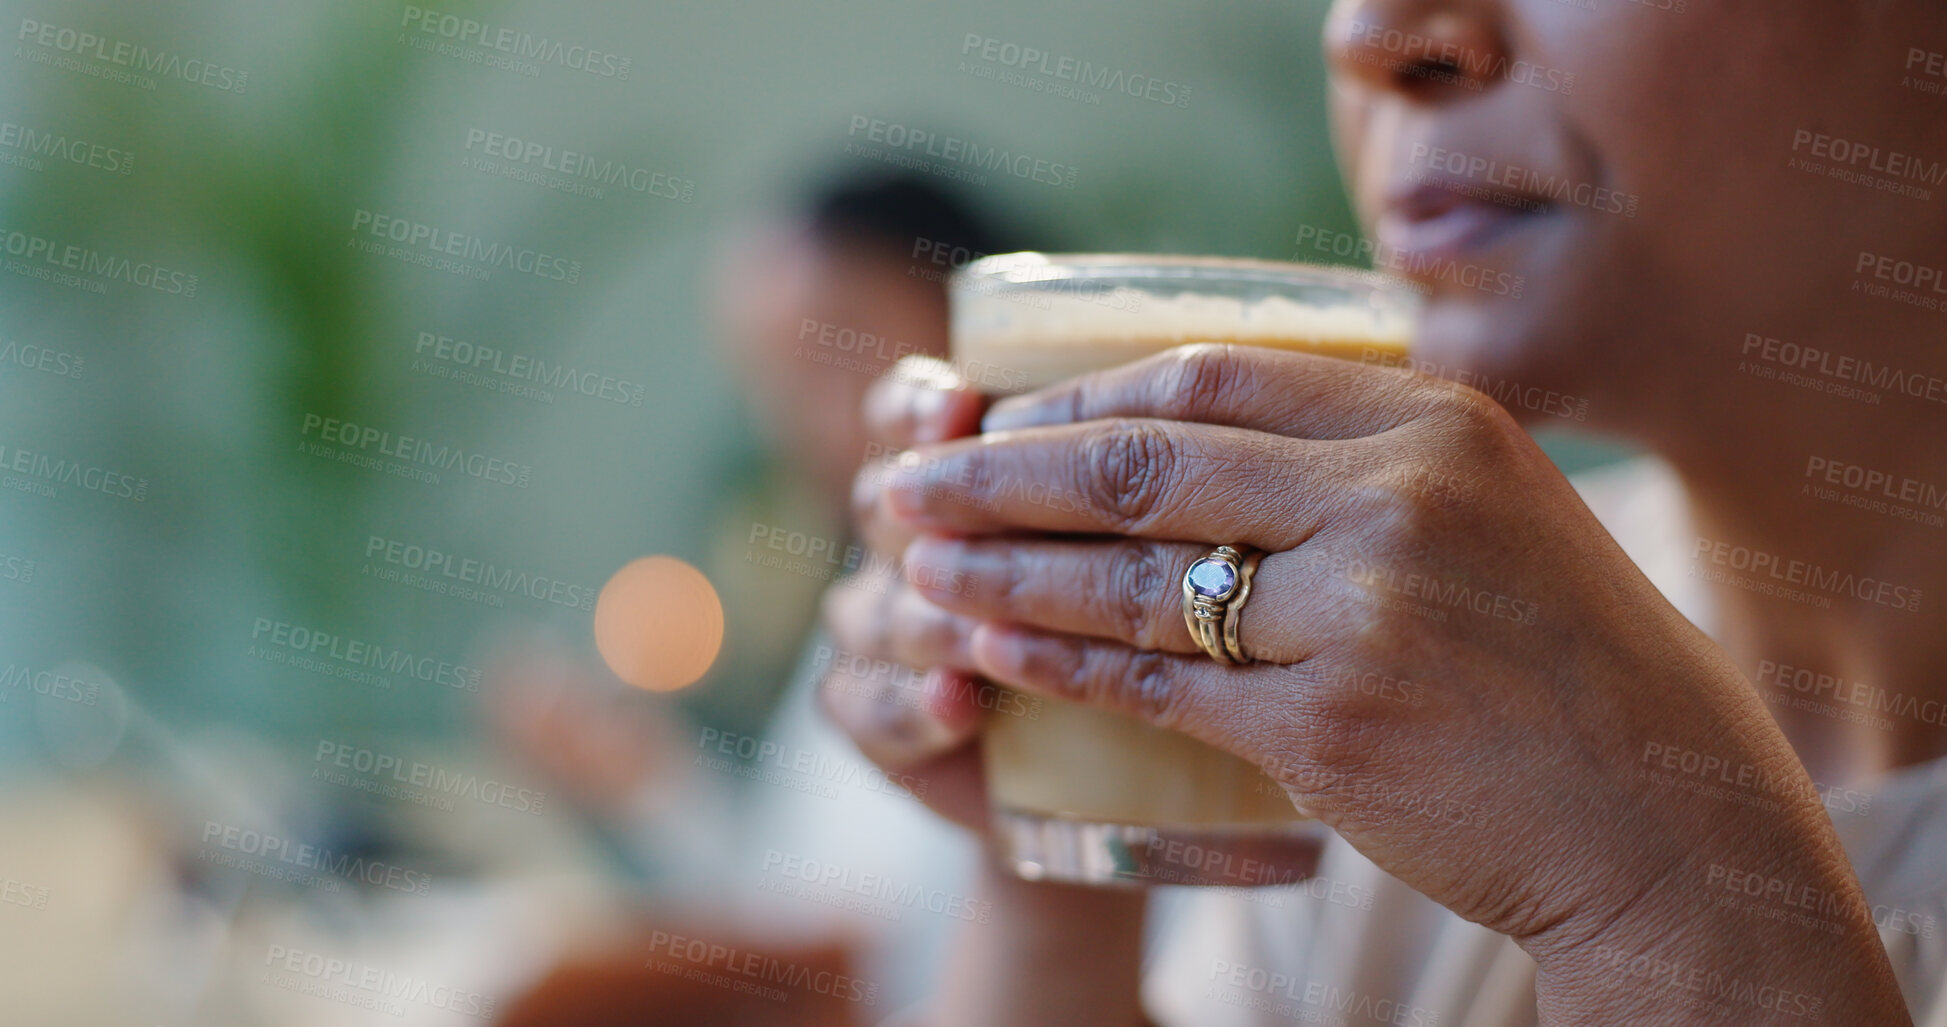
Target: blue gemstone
[(1212, 578)]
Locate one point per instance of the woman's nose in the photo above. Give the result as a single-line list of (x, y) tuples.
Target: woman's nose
[(1426, 50)]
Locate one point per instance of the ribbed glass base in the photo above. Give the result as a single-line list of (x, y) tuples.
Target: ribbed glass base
[(1045, 848)]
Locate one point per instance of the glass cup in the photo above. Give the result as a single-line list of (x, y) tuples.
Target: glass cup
[(1090, 796)]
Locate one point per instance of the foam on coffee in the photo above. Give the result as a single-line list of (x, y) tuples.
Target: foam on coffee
[(1045, 336)]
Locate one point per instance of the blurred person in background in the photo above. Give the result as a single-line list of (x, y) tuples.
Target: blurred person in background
[(813, 307), (1609, 816)]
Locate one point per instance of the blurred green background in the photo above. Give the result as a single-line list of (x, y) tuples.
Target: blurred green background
[(256, 192), (251, 154)]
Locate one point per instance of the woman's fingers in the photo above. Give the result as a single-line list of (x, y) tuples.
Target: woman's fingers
[(879, 616), (1234, 708), (1301, 395), (880, 630), (897, 719), (1124, 590), (922, 727), (1144, 478), (920, 400)]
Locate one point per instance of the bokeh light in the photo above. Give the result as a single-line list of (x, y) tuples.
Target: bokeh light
[(659, 623)]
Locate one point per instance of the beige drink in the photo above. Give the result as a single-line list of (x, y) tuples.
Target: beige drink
[(1086, 795)]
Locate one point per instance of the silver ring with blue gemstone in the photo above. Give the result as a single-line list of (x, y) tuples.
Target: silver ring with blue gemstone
[(1215, 589)]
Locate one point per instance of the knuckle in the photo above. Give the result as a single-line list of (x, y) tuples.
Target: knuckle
[(1126, 470), (1006, 582), (931, 635), (856, 613), (1477, 414), (1137, 581), (1330, 747), (1146, 689), (1198, 379), (1400, 516)]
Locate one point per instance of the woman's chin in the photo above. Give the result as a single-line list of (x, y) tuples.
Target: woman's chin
[(1488, 344)]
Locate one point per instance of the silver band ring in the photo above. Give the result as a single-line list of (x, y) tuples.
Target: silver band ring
[(1215, 589)]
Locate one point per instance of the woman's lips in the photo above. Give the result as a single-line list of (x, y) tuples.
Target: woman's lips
[(1435, 222)]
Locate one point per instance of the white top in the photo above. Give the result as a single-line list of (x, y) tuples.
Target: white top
[(1359, 948)]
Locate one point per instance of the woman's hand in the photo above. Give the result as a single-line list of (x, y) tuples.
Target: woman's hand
[(1457, 668), (897, 681), (1048, 953)]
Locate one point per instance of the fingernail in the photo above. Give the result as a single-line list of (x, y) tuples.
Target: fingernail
[(1013, 412), (933, 564), (947, 695), (927, 372), (905, 491), (999, 653), (929, 416)]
